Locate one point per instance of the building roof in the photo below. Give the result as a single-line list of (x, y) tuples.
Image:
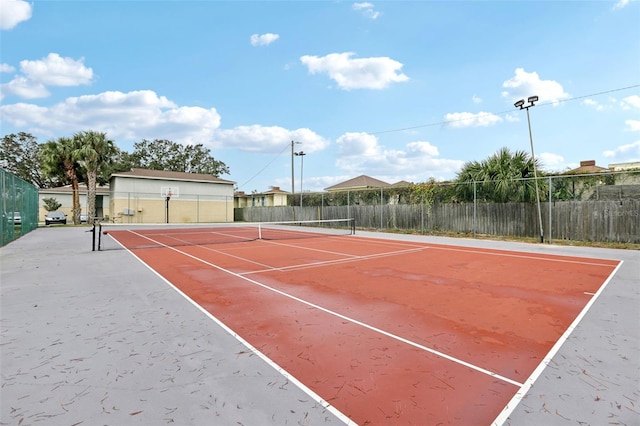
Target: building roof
[(401, 183), (587, 166), (275, 190), (82, 189), (632, 165), (360, 182), (168, 175)]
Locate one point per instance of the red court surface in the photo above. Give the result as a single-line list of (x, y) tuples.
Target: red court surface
[(389, 332)]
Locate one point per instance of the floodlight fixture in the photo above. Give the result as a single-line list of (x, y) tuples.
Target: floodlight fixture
[(519, 104), (532, 99)]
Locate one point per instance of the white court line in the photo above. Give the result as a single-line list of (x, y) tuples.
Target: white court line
[(309, 248), (334, 261), (519, 396), (349, 257), (349, 319), (557, 258)]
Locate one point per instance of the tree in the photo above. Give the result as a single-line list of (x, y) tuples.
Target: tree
[(20, 156), (51, 204), (95, 152), (162, 154), (60, 160), (502, 177), (121, 161)]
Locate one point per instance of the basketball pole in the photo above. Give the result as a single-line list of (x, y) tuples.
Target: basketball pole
[(168, 197)]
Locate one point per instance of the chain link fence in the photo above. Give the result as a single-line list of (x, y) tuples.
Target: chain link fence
[(19, 207), (602, 207)]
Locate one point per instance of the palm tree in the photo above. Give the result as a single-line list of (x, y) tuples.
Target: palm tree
[(504, 176), (59, 160), (95, 151)]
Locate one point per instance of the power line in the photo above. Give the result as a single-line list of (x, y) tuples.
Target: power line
[(441, 123), (265, 166), (488, 114)]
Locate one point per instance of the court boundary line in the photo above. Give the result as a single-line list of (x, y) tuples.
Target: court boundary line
[(269, 268), (355, 258), (349, 319), (555, 258), (288, 376), (528, 384)]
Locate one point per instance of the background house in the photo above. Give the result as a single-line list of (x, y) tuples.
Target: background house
[(158, 196), (64, 196), (273, 197)]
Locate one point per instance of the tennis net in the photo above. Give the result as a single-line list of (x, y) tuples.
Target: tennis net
[(111, 236)]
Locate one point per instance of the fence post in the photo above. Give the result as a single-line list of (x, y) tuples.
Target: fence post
[(474, 209), (422, 214), (550, 200), (381, 218)]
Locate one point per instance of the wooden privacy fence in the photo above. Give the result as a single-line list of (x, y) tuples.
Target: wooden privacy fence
[(597, 221)]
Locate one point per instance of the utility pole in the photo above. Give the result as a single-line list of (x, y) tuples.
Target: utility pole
[(301, 154), (520, 104), (293, 188)]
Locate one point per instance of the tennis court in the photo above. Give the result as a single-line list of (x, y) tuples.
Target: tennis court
[(381, 331)]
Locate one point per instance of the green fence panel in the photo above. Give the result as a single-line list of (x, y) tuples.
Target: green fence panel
[(19, 207)]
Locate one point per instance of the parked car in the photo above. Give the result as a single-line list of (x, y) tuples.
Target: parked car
[(55, 217), (84, 217), (17, 218)]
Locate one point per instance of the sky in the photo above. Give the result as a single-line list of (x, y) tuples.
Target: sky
[(395, 90)]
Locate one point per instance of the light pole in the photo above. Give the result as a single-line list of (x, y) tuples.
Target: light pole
[(520, 104), (293, 188), (301, 154)]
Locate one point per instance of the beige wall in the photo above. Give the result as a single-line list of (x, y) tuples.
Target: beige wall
[(145, 210)]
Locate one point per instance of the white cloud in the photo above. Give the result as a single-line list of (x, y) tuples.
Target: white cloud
[(12, 12), (367, 10), (622, 3), (631, 102), (258, 138), (476, 99), (633, 125), (53, 70), (23, 88), (364, 73), (524, 84), (130, 116), (6, 68), (361, 153), (468, 119), (263, 39), (630, 152), (595, 105), (512, 117), (551, 161)]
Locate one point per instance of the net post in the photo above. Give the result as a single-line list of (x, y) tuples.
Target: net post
[(353, 225), (93, 237), (259, 231), (99, 236)]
